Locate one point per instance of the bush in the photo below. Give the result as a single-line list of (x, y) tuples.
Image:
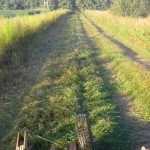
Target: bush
[(93, 4), (131, 7), (53, 4), (68, 4)]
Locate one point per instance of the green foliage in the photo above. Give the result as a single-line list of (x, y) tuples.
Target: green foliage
[(53, 4), (69, 4), (122, 7), (93, 4), (131, 7), (70, 83), (19, 4)]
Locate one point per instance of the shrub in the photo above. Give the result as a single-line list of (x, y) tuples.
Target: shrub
[(131, 7)]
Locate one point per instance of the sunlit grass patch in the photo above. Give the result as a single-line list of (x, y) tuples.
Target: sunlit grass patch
[(15, 33), (131, 79), (133, 32)]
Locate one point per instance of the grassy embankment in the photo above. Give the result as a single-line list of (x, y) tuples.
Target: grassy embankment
[(133, 32), (70, 75), (132, 81), (21, 76), (16, 33)]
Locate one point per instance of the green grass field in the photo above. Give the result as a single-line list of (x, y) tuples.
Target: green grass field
[(73, 68)]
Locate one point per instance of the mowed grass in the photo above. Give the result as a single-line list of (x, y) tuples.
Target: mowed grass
[(70, 83), (131, 81), (133, 32)]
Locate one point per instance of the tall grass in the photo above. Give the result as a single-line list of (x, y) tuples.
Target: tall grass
[(132, 81), (133, 32), (15, 33)]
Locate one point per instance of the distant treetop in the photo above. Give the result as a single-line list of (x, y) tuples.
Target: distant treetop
[(121, 7)]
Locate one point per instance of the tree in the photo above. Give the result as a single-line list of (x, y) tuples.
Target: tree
[(69, 4), (131, 7), (93, 4), (53, 4), (19, 4)]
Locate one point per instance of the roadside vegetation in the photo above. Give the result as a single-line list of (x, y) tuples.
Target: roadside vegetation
[(16, 33), (133, 32), (131, 7), (132, 81)]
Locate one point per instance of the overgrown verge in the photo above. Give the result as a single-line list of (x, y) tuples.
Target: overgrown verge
[(132, 32), (132, 81), (18, 32)]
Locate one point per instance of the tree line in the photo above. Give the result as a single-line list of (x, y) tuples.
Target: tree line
[(54, 4), (19, 4), (122, 7), (131, 7)]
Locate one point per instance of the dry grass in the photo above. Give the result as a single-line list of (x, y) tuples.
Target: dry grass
[(20, 30), (133, 32), (132, 81)]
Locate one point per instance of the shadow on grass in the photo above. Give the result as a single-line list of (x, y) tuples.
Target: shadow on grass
[(13, 92), (126, 50), (118, 138)]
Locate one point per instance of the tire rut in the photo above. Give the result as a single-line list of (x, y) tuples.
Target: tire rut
[(137, 131), (126, 50)]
